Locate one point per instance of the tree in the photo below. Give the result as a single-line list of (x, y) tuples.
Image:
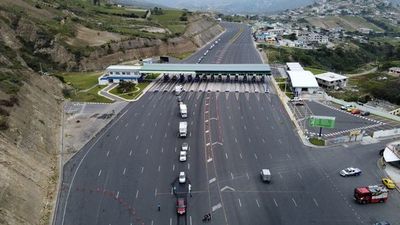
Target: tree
[(96, 2)]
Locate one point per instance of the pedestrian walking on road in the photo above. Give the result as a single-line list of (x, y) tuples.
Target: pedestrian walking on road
[(159, 207)]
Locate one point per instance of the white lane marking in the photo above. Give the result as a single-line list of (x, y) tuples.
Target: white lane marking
[(159, 167), (276, 204), (247, 175), (170, 221), (212, 180), (165, 135), (155, 124), (217, 206), (254, 118), (155, 192), (162, 149), (279, 140), (152, 223), (245, 127), (173, 167), (240, 154), (272, 127), (301, 177), (142, 169), (209, 160), (232, 127), (315, 201), (207, 131), (190, 219), (188, 166), (116, 138), (137, 193), (263, 140), (151, 136), (241, 117), (142, 124), (147, 151), (191, 123), (190, 134), (117, 194), (175, 149), (137, 137), (258, 204), (169, 124), (226, 155), (280, 175), (250, 140), (108, 153), (240, 203), (236, 140), (99, 173), (295, 204), (255, 156), (130, 153), (123, 173), (126, 124), (288, 155), (270, 155), (232, 175)]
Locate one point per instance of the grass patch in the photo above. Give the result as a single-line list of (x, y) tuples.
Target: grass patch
[(183, 55), (171, 20), (133, 94), (315, 71), (317, 141), (90, 96), (152, 76), (80, 80)]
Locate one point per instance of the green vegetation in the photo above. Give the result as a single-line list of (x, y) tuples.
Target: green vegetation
[(317, 141), (152, 76), (344, 58), (10, 83), (84, 86), (183, 55), (80, 80), (90, 96), (136, 91), (375, 85), (172, 20), (315, 71)]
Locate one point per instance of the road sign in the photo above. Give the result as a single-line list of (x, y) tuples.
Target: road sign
[(322, 121)]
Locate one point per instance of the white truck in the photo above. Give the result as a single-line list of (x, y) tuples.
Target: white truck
[(182, 129), (183, 110)]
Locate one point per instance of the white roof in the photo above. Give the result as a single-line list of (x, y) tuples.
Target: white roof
[(329, 76), (123, 67), (303, 79), (389, 156), (294, 66)]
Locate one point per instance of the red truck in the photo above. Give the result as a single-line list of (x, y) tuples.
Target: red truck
[(371, 194)]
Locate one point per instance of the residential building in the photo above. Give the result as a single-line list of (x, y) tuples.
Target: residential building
[(331, 80), (394, 71)]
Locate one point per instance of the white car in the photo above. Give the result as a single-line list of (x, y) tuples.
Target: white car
[(182, 156), (185, 146), (182, 177), (351, 171)]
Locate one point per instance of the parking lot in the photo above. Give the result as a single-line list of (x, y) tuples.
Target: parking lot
[(345, 122), (241, 84)]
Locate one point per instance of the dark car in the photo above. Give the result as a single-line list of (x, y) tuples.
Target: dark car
[(181, 206), (365, 113), (179, 98), (382, 223)]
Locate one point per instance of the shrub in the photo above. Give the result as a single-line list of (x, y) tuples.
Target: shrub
[(4, 112), (3, 123)]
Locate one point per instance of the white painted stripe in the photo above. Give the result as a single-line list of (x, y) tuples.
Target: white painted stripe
[(142, 169), (99, 173), (270, 156), (162, 149), (155, 192), (276, 204), (315, 201), (212, 180), (255, 156), (147, 151), (130, 153), (108, 153), (117, 194), (173, 167), (294, 202), (159, 167), (263, 140), (217, 206), (247, 175), (258, 204), (190, 219), (137, 137), (123, 173), (188, 166), (126, 124), (240, 154), (207, 144), (137, 193), (226, 155), (250, 140), (240, 203), (301, 177), (170, 221), (116, 138), (232, 175), (236, 140)]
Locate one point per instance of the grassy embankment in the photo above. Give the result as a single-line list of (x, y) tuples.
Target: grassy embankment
[(84, 86), (131, 94)]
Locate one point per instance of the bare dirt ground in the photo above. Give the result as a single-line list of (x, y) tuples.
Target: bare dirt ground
[(82, 121), (86, 36)]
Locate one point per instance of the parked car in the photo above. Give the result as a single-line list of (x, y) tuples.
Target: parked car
[(181, 206), (365, 113), (350, 108), (345, 107), (382, 223), (350, 171), (360, 103), (182, 177), (388, 183), (355, 111)]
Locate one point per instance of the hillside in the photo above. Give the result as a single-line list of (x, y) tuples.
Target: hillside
[(44, 37), (349, 23)]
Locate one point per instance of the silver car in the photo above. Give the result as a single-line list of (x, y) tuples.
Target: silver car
[(185, 146), (350, 171)]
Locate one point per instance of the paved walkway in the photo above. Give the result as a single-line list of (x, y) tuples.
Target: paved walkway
[(105, 93)]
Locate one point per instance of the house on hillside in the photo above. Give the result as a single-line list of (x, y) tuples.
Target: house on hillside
[(331, 80)]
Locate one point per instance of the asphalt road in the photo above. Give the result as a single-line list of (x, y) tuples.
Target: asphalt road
[(121, 175)]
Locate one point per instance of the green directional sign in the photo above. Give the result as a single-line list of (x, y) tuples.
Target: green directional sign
[(322, 121)]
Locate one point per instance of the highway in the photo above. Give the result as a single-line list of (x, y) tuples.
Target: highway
[(121, 175)]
